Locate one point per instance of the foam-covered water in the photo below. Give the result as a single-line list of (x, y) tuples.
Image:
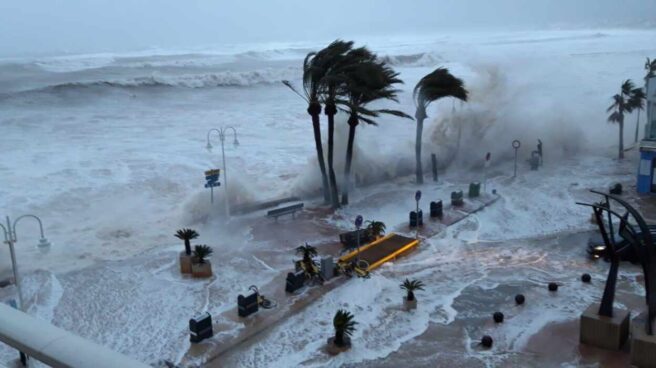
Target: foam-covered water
[(109, 150)]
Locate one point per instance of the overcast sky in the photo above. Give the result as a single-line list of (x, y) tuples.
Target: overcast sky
[(55, 26)]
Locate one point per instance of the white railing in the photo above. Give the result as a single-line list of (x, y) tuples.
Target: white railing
[(56, 347)]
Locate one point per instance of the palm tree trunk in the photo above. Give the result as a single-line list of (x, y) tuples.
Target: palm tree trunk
[(411, 296), (353, 122), (420, 169), (314, 110), (621, 155), (637, 127), (331, 110), (187, 247), (339, 338)]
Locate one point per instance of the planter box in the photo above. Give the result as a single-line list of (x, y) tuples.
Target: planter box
[(643, 346), (604, 332), (409, 304), (201, 270), (333, 349), (185, 262)]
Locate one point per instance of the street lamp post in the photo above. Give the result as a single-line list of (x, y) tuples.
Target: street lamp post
[(222, 133), (10, 239)]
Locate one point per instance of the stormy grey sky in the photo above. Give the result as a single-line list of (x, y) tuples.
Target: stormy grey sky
[(56, 26)]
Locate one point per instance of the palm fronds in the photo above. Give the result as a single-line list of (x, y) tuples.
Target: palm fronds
[(344, 324), (187, 235), (202, 252)]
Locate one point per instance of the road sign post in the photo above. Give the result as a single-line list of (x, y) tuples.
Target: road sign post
[(358, 225), (417, 198), (212, 180), (516, 144)]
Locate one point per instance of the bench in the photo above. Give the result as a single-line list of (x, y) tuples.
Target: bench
[(350, 239), (285, 211)]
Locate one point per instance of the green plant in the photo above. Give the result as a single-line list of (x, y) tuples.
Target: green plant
[(411, 286), (376, 228), (344, 326), (367, 81), (202, 252), (436, 85), (629, 99), (187, 235), (308, 252)]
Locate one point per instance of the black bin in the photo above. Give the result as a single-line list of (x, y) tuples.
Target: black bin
[(416, 220), (247, 305), (200, 328), (436, 209), (295, 281)]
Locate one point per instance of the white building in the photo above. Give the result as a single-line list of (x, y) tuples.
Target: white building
[(647, 168)]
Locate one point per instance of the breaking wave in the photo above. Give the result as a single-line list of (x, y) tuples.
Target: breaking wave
[(220, 79)]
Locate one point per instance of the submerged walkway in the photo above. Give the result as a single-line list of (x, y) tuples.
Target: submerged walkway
[(209, 352)]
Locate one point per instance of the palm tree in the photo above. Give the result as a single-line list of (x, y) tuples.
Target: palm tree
[(344, 326), (637, 100), (367, 80), (308, 252), (436, 85), (411, 287), (314, 69), (621, 105), (187, 235), (202, 252), (376, 228), (332, 82)]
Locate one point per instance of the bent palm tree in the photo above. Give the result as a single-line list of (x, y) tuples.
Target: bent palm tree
[(432, 87), (202, 252), (187, 235), (637, 100), (411, 287), (621, 105), (344, 326), (332, 81), (315, 66), (367, 81)]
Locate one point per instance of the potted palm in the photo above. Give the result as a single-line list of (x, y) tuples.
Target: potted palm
[(409, 301), (307, 263), (201, 267), (344, 328), (376, 229), (186, 256)]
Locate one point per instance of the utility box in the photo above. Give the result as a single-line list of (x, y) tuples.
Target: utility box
[(534, 161), (436, 209), (200, 328), (474, 189), (416, 219), (294, 281), (327, 268), (248, 305)]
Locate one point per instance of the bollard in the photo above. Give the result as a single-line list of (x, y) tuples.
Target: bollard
[(457, 199), (200, 328)]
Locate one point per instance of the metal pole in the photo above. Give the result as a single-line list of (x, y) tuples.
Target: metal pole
[(14, 264), (225, 172), (515, 174), (417, 219)]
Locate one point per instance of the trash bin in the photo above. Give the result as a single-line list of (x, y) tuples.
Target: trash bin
[(534, 161), (200, 328), (457, 198), (416, 220), (247, 305), (474, 189), (436, 209), (294, 281)]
